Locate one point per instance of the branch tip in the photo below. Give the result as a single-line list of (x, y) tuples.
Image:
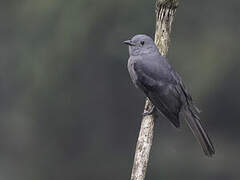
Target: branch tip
[(169, 4)]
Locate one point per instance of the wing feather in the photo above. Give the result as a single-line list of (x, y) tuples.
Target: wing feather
[(161, 92)]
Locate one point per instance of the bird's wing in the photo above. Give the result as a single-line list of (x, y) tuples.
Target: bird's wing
[(185, 95), (160, 87)]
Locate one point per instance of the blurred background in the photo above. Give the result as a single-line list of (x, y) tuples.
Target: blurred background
[(70, 111)]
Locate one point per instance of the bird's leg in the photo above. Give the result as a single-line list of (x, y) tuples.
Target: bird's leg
[(150, 111)]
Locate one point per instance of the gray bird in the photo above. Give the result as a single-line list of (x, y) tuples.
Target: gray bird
[(151, 72)]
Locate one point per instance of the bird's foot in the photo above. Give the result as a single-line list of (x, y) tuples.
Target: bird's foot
[(149, 112)]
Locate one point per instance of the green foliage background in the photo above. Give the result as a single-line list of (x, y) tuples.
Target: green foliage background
[(69, 110)]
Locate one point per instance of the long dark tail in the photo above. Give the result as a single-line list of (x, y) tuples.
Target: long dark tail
[(193, 122)]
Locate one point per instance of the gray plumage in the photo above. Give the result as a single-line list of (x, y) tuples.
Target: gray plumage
[(152, 73)]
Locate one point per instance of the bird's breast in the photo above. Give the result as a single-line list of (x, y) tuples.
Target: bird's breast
[(131, 71)]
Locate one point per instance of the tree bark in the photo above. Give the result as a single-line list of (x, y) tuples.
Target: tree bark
[(165, 10)]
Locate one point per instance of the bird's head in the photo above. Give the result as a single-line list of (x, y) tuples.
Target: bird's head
[(141, 44)]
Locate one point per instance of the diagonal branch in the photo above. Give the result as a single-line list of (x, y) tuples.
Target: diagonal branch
[(165, 10)]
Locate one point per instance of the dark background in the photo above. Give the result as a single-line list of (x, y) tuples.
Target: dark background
[(70, 111)]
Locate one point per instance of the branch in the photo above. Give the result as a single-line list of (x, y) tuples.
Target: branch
[(165, 10)]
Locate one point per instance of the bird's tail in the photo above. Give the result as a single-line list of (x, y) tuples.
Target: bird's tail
[(193, 122)]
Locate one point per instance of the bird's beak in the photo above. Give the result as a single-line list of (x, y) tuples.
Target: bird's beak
[(129, 43)]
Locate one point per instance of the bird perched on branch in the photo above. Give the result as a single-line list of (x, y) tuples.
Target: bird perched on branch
[(151, 72)]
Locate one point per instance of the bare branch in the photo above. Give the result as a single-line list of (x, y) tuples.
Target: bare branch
[(165, 10)]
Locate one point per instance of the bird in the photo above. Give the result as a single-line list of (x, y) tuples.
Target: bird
[(163, 86)]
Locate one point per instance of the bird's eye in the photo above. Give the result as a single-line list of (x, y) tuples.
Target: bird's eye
[(142, 43)]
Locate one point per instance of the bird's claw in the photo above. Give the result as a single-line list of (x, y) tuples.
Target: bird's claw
[(149, 112)]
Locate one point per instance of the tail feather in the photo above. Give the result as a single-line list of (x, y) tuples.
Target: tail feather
[(193, 122)]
